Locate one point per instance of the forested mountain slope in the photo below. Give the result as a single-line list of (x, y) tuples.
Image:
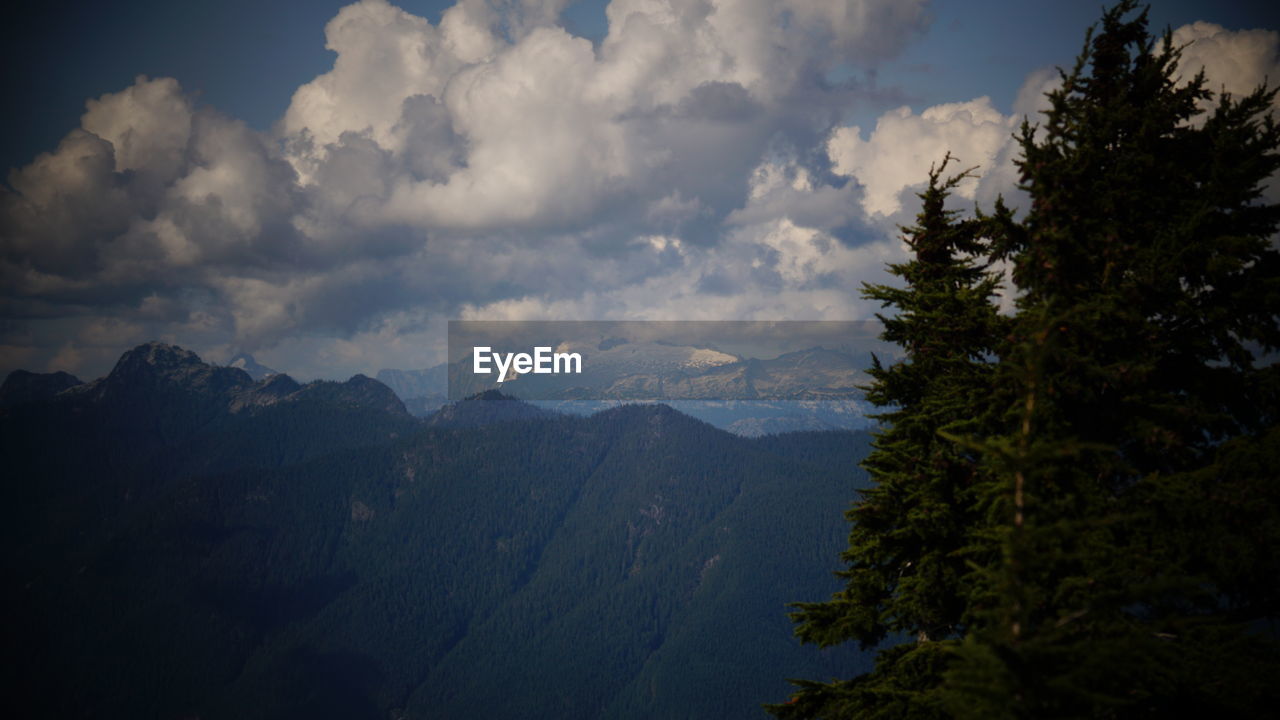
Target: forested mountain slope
[(188, 542)]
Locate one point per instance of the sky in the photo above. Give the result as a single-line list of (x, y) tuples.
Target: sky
[(325, 185)]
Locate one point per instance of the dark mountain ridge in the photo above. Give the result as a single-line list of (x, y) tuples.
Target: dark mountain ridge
[(486, 408), (23, 388), (194, 543)]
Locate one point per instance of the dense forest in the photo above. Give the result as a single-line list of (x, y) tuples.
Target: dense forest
[(1074, 508), (191, 543)]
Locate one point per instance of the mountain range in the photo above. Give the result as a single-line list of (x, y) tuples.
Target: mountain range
[(190, 542), (812, 389)]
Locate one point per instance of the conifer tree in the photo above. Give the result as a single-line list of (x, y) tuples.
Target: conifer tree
[(903, 567), (1148, 281), (1132, 405), (1120, 530)]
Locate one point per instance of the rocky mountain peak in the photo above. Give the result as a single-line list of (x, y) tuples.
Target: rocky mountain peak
[(156, 364), (158, 355)]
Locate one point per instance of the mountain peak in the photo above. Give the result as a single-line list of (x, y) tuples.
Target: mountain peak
[(246, 362), (267, 391), (157, 364), (657, 419), (487, 408), (158, 355), (359, 391)]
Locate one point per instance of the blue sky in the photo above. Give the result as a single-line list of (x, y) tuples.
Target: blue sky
[(725, 159)]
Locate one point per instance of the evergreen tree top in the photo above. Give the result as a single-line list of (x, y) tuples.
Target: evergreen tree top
[(1055, 524)]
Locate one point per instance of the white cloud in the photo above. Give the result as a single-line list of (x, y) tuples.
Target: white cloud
[(896, 156), (770, 265), (385, 56), (1236, 62), (148, 125), (63, 204), (495, 165), (529, 125)]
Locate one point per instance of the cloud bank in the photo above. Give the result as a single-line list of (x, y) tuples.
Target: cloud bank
[(691, 165)]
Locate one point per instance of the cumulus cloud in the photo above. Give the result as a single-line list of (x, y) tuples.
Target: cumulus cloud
[(892, 160), (385, 56), (494, 165), (148, 126), (897, 154), (779, 258), (486, 133), (894, 157), (492, 160), (1233, 62)]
